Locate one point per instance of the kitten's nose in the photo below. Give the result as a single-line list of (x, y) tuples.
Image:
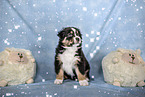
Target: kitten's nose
[(21, 56)]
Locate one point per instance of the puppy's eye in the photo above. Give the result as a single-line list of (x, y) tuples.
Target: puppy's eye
[(18, 54), (129, 54), (70, 35)]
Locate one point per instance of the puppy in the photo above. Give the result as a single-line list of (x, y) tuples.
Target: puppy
[(70, 61)]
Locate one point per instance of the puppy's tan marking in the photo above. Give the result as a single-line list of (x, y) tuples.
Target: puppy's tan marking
[(60, 74), (80, 76)]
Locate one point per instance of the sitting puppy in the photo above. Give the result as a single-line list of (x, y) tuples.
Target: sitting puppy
[(70, 61)]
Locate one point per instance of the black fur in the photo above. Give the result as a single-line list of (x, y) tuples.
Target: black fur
[(82, 65)]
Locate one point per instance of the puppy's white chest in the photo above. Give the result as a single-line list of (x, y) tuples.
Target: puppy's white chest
[(68, 59)]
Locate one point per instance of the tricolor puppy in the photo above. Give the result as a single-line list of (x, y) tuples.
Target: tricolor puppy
[(70, 61)]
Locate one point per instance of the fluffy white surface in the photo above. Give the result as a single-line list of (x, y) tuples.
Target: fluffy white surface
[(117, 70), (12, 70)]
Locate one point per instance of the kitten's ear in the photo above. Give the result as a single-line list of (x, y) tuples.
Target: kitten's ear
[(138, 51), (8, 49)]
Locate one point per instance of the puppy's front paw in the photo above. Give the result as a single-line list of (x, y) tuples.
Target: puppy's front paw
[(58, 81), (84, 82)]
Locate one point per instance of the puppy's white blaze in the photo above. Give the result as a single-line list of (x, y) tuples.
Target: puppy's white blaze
[(74, 31), (69, 60), (75, 41)]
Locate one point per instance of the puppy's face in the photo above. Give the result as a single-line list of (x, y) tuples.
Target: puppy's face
[(70, 36)]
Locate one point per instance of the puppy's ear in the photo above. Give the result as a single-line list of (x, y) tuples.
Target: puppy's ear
[(78, 30), (60, 34)]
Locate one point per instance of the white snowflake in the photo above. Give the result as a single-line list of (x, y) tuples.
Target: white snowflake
[(138, 24), (56, 30), (10, 30), (39, 38), (87, 35), (92, 76), (84, 8), (141, 7), (8, 94), (119, 18), (94, 51), (92, 39), (55, 94), (98, 33), (36, 26), (76, 10), (97, 38), (6, 41), (133, 0), (65, 0), (17, 26), (92, 32), (22, 92), (38, 52), (97, 47), (86, 45), (137, 9), (95, 14), (75, 86), (103, 8), (91, 55), (47, 95), (43, 80)]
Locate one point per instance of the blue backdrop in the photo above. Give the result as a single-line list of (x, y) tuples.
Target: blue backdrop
[(104, 24)]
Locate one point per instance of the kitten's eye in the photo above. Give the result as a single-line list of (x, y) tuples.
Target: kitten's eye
[(133, 55), (21, 54), (18, 54), (129, 54)]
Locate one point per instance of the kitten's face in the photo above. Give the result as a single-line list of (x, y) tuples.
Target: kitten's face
[(18, 57), (130, 58)]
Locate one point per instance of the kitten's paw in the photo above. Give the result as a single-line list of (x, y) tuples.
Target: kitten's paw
[(30, 81), (117, 84), (3, 83), (141, 84)]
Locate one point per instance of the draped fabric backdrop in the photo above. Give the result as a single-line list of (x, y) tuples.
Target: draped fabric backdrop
[(105, 25)]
